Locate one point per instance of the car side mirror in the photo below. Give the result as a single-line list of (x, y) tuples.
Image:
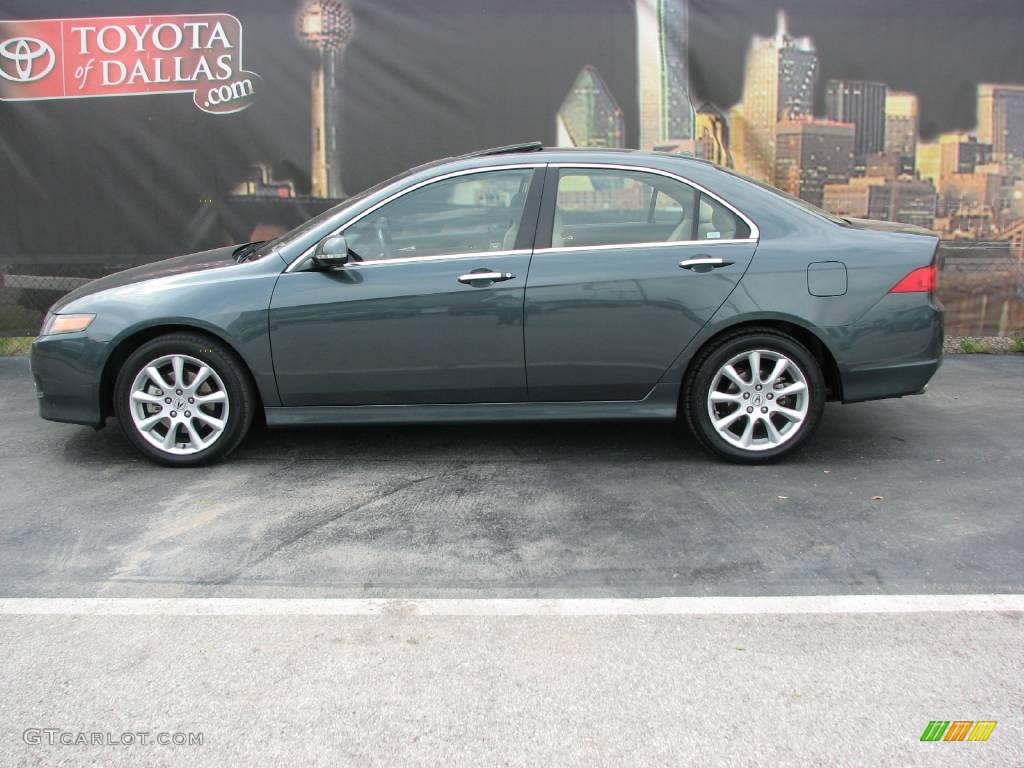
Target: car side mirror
[(331, 252)]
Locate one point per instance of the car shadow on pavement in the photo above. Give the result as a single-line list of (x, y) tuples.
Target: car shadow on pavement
[(845, 430)]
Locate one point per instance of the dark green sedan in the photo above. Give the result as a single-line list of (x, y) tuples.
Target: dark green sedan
[(514, 284)]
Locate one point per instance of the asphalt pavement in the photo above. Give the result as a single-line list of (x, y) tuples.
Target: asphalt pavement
[(916, 495), (920, 496)]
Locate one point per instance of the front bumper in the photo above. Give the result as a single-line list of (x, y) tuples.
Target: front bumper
[(68, 371)]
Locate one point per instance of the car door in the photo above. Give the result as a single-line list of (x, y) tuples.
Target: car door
[(630, 265), (429, 308)]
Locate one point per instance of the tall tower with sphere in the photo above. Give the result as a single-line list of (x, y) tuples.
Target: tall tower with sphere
[(326, 25)]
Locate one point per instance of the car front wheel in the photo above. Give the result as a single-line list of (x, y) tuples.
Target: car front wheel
[(184, 400), (756, 396)]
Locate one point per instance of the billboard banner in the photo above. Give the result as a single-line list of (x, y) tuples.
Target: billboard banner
[(199, 54), (135, 131)]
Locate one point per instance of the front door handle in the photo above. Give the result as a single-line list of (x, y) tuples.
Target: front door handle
[(704, 263), (493, 277)]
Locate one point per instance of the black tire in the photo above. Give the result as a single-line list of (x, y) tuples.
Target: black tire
[(701, 376), (241, 397)]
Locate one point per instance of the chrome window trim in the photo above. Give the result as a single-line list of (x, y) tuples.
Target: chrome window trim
[(308, 253), (438, 257), (658, 244), (755, 232)]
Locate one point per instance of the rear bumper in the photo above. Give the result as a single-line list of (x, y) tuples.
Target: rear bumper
[(893, 351), (888, 381), (67, 370)]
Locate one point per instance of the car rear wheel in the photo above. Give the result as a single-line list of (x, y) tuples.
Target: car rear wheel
[(184, 400), (754, 397)]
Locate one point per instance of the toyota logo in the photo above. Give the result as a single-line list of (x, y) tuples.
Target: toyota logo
[(33, 59)]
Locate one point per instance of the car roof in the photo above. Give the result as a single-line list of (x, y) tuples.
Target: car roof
[(534, 151)]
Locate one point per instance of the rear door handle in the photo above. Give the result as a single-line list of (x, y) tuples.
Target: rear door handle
[(494, 277), (704, 263)]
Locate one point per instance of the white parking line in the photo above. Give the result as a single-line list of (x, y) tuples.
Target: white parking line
[(483, 607)]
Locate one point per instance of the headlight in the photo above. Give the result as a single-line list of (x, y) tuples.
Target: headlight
[(65, 324)]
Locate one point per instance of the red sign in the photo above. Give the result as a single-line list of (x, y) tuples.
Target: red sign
[(197, 53)]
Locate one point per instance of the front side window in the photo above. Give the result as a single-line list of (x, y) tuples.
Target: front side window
[(472, 213), (612, 207)]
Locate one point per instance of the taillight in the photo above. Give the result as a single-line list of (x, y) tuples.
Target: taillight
[(919, 281)]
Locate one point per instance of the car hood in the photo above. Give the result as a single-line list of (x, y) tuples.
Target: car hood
[(890, 226), (179, 265)]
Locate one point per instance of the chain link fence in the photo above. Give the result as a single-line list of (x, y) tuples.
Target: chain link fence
[(28, 290), (981, 286)]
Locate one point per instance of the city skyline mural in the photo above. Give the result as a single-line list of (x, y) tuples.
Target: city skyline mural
[(912, 114)]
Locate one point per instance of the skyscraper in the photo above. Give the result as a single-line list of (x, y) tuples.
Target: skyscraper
[(1001, 120), (326, 25), (589, 115), (712, 136), (778, 84), (901, 128), (812, 153), (663, 87), (862, 103), (738, 138), (960, 152), (966, 172), (928, 160)]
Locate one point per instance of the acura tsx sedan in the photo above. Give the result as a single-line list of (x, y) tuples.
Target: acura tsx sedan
[(514, 284)]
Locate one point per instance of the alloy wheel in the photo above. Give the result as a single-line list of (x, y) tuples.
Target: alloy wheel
[(179, 404), (758, 400)]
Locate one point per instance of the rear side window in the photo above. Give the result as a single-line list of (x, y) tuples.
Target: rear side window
[(716, 222), (610, 207), (605, 207)]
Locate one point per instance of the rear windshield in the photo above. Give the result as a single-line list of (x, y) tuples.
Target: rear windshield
[(790, 198)]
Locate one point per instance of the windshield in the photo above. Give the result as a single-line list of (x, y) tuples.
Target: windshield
[(320, 218), (809, 207)]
